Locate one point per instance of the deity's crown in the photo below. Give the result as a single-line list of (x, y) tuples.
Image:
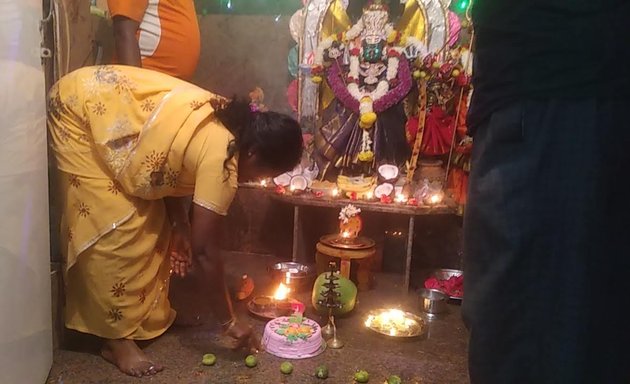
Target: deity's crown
[(376, 5), (375, 17)]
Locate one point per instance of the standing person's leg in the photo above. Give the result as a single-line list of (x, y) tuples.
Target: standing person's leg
[(498, 279), (539, 243)]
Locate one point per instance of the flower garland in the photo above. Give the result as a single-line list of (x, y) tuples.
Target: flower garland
[(335, 80), (348, 212), (399, 91), (432, 69), (355, 31), (342, 38), (366, 105), (387, 92)]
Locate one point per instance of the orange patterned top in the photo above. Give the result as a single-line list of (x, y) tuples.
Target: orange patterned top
[(168, 36)]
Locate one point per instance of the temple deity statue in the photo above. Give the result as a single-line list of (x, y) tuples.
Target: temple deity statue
[(384, 90), (365, 75)]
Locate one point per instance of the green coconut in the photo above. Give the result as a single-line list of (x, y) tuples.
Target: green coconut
[(347, 297)]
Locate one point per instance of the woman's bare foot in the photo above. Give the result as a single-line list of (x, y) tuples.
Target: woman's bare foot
[(130, 359)]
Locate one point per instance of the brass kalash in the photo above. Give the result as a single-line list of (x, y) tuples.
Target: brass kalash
[(348, 246), (350, 225)]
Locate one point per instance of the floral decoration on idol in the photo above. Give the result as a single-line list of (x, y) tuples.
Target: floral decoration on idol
[(348, 212), (440, 79), (350, 223), (370, 48)]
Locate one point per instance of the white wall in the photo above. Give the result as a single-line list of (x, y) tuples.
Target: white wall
[(25, 313)]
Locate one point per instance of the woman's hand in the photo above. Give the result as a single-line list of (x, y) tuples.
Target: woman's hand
[(180, 250), (243, 336)]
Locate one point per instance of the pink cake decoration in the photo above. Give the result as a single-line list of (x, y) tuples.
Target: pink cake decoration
[(294, 329), (293, 337)]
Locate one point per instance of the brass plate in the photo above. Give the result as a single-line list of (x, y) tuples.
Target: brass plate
[(336, 241), (270, 312), (419, 328)]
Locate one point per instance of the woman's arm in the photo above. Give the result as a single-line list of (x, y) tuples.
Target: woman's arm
[(205, 249), (205, 234), (126, 41), (179, 248), (176, 209)]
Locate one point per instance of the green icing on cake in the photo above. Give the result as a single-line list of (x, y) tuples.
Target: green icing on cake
[(295, 329)]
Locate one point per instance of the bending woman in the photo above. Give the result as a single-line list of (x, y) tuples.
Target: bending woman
[(130, 143)]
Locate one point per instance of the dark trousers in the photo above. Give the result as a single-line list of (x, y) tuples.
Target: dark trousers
[(547, 244)]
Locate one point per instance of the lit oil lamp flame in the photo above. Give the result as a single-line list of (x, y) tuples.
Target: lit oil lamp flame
[(335, 192), (436, 198), (281, 293), (369, 195), (400, 198), (263, 183), (345, 234), (393, 322), (292, 188)]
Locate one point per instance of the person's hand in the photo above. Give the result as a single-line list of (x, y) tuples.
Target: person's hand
[(243, 336), (179, 250)]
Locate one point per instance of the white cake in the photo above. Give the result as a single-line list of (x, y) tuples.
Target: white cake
[(294, 337)]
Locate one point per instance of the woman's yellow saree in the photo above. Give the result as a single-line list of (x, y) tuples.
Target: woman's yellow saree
[(123, 139)]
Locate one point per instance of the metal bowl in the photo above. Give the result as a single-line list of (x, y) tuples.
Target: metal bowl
[(433, 301), (445, 274), (292, 274)]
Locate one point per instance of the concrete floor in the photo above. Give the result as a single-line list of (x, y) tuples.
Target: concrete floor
[(438, 358)]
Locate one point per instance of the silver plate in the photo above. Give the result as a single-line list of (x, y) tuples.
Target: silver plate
[(419, 330)]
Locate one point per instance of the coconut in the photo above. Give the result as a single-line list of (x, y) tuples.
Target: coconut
[(298, 183), (385, 189), (388, 171), (283, 180), (297, 171)]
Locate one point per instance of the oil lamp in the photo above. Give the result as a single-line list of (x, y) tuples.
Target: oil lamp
[(395, 323), (435, 198), (401, 198), (282, 293)]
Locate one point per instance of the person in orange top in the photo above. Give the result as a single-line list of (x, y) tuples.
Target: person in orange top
[(162, 35)]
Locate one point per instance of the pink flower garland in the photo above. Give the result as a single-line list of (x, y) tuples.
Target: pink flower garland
[(399, 92), (334, 76)]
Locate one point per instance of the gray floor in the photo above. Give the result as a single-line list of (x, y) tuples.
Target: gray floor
[(438, 358)]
